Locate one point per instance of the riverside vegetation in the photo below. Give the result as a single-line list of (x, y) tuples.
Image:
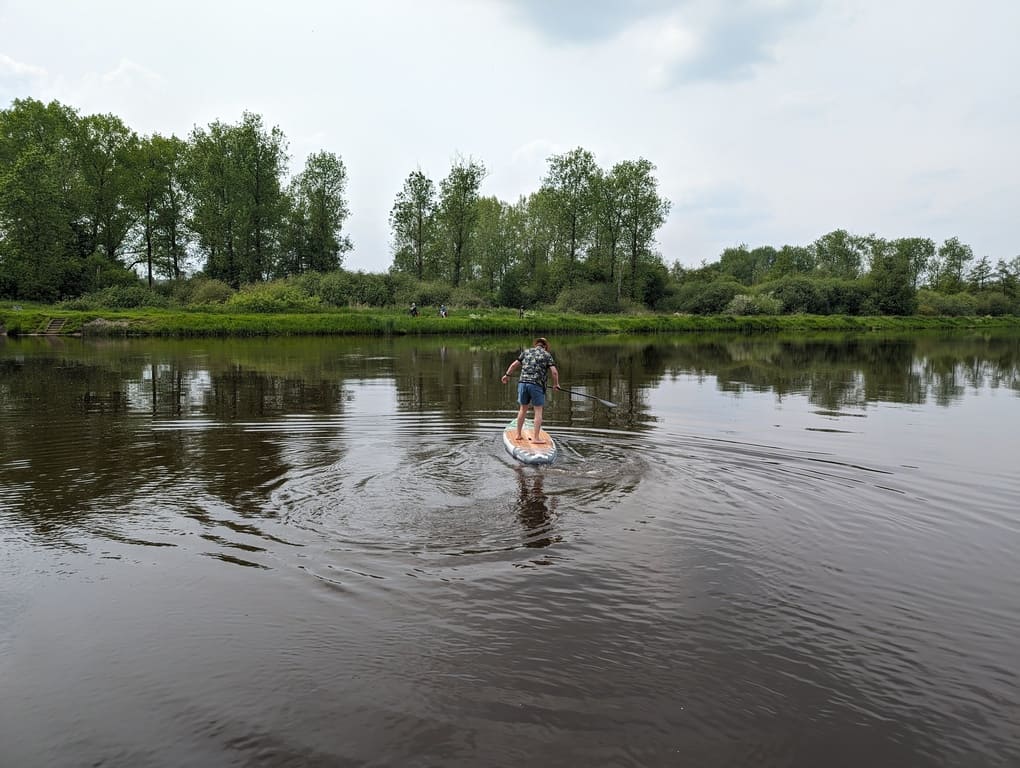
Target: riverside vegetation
[(211, 234)]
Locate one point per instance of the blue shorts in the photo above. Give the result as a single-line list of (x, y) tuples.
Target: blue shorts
[(530, 394)]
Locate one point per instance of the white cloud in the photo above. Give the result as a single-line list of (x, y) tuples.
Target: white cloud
[(11, 68)]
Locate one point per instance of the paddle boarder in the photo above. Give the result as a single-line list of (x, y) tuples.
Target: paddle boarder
[(535, 364)]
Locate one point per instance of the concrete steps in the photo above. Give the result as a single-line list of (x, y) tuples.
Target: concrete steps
[(54, 326)]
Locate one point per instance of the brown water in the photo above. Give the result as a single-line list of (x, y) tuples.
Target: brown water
[(315, 552)]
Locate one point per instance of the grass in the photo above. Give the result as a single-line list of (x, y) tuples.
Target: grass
[(32, 319)]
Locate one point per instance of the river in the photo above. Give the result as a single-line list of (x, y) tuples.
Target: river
[(315, 552)]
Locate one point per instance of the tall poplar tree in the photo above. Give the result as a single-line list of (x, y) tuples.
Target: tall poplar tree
[(458, 215), (318, 211), (41, 256), (235, 182), (570, 185), (161, 200), (107, 153), (644, 212), (413, 225)]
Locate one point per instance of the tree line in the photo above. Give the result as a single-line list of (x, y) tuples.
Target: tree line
[(86, 203), (845, 273), (585, 227)]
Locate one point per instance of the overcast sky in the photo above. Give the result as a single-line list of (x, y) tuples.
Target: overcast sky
[(769, 121)]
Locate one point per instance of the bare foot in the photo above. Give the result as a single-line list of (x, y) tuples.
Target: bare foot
[(520, 437), (539, 441)]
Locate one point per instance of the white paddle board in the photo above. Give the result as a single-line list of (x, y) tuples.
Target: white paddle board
[(526, 450)]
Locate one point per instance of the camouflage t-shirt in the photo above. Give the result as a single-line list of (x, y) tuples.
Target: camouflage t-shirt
[(535, 364)]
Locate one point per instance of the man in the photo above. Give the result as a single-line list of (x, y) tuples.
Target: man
[(534, 363)]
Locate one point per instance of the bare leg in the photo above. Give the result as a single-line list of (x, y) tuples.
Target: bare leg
[(538, 424), (521, 413)]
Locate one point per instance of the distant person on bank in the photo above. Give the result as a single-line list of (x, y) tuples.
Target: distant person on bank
[(535, 364)]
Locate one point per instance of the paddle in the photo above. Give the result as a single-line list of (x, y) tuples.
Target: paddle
[(582, 394)]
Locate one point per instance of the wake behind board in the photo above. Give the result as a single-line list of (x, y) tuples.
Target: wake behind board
[(526, 450)]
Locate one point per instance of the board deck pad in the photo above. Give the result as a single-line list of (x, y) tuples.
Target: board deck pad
[(526, 450)]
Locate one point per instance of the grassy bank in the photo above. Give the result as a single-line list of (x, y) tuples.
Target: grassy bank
[(159, 322)]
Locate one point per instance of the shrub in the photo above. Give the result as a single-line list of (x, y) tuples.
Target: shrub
[(118, 297), (702, 298), (272, 297), (757, 304), (335, 289), (842, 297), (425, 293), (467, 297), (955, 304), (208, 291), (590, 299), (995, 304), (371, 289), (799, 295), (309, 283)]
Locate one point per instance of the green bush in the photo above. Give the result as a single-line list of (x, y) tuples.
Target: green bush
[(309, 283), (98, 272), (335, 289), (118, 297), (467, 298), (702, 298), (799, 295), (425, 293), (342, 289), (842, 297), (589, 299), (940, 304), (996, 304), (277, 296), (208, 291), (369, 289), (757, 304)]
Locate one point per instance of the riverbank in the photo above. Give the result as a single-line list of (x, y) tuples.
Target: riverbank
[(159, 322)]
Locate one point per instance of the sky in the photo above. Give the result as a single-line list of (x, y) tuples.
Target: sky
[(769, 122)]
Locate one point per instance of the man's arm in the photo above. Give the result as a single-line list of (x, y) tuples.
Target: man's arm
[(556, 376), (513, 367)]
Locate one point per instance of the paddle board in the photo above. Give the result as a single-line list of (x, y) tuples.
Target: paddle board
[(526, 450)]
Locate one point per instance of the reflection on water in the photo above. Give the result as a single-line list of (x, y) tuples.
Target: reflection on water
[(534, 508), (316, 552)]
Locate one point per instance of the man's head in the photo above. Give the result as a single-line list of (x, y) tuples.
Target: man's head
[(542, 342)]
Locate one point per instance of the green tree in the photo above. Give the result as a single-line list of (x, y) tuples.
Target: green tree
[(570, 186), (890, 280), (950, 265), (919, 253), (738, 263), (538, 246), (458, 214), (1008, 276), (239, 207), (608, 192), (161, 201), (981, 274), (840, 254), (792, 260), (107, 152), (413, 224), (496, 241), (41, 254), (318, 210), (644, 212)]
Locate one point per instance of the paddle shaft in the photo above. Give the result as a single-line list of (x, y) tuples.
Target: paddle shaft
[(582, 394)]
